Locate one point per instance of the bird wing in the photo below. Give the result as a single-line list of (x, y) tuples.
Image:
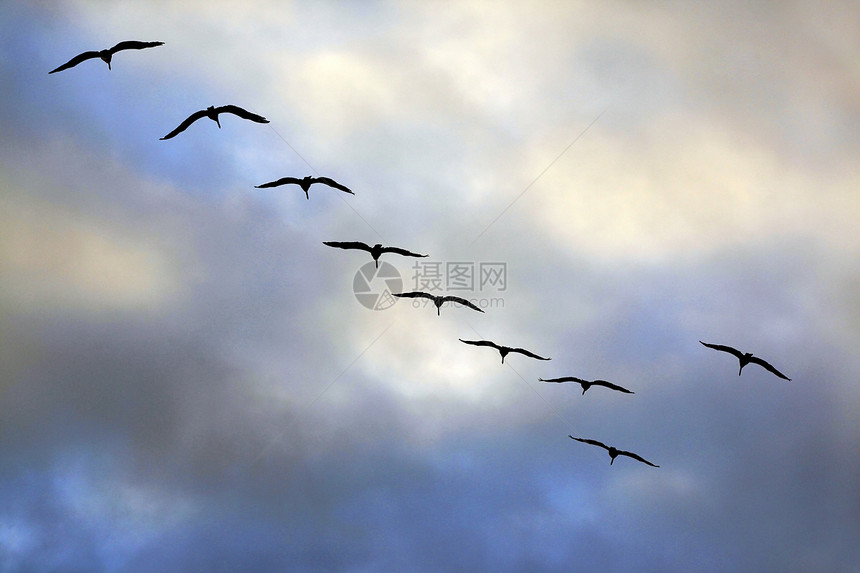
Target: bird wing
[(243, 113), (75, 61), (767, 366), (480, 343), (414, 294), (563, 379), (399, 251), (134, 45), (332, 183), (636, 457), (348, 245), (279, 182), (592, 442), (611, 386), (729, 349), (184, 125), (462, 301), (527, 353)]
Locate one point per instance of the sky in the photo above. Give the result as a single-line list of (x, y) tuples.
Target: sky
[(188, 380)]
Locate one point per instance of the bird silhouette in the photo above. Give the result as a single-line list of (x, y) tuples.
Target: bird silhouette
[(746, 358), (437, 300), (503, 350), (106, 55), (212, 113), (305, 183), (613, 451), (586, 384), (375, 251)]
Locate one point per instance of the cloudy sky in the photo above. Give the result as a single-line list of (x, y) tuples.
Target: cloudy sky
[(188, 381)]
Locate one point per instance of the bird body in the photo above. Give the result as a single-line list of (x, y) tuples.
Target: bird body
[(375, 251), (212, 113), (503, 350), (438, 300), (745, 358), (305, 183), (613, 451), (586, 384), (106, 54)]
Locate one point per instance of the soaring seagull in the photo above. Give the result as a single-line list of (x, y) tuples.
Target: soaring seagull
[(613, 451), (305, 183), (746, 358), (375, 251), (438, 300), (503, 350), (586, 384), (212, 113), (106, 54)]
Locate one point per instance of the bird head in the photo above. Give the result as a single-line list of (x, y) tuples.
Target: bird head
[(105, 55)]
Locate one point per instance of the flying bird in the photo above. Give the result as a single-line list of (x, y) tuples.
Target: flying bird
[(212, 113), (438, 300), (106, 55), (375, 251), (613, 451), (586, 384), (503, 350), (746, 358), (305, 183)]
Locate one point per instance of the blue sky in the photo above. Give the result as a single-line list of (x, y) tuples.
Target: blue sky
[(187, 380)]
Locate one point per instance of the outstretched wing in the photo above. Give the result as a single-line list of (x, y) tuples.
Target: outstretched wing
[(279, 182), (348, 245), (462, 301), (75, 61), (592, 442), (480, 343), (184, 125), (414, 294), (636, 457), (564, 379), (733, 351), (332, 183), (611, 386), (243, 113), (767, 366), (134, 45), (399, 251), (527, 353)]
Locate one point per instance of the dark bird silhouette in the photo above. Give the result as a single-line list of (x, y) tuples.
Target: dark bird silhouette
[(305, 183), (613, 451), (586, 384), (106, 55), (438, 300), (503, 350), (212, 113), (375, 251), (746, 358)]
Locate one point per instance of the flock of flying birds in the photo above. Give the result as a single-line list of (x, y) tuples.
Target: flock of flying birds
[(305, 183)]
